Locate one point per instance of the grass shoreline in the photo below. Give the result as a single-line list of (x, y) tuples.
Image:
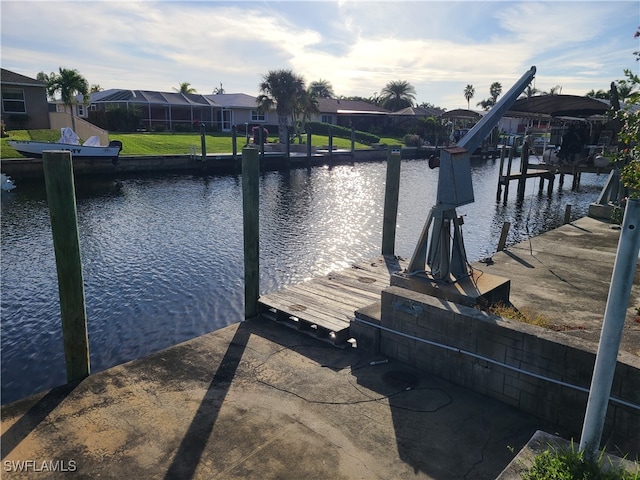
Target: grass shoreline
[(167, 143)]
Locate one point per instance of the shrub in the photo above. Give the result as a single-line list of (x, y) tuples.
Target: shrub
[(412, 140)]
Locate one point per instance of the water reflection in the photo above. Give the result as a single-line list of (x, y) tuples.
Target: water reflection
[(162, 255)]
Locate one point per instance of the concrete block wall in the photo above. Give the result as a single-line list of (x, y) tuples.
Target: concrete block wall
[(488, 354)]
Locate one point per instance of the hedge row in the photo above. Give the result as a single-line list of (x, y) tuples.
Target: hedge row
[(321, 128)]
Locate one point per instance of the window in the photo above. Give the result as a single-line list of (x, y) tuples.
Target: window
[(81, 111), (327, 119), (13, 100), (257, 116)]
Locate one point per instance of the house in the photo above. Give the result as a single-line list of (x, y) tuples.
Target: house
[(24, 102), (358, 114), (176, 111)]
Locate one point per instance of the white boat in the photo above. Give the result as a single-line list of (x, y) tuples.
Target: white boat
[(6, 184), (69, 141)]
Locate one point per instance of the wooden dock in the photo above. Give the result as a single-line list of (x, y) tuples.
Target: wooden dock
[(324, 307)]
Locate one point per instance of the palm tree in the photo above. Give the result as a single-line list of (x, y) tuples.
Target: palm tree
[(529, 92), (185, 87), (95, 88), (69, 84), (283, 90), (305, 105), (495, 90), (397, 95), (602, 94), (557, 90), (469, 92), (321, 88)]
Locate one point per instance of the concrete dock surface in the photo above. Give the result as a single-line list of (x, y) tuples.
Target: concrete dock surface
[(258, 400), (564, 276)]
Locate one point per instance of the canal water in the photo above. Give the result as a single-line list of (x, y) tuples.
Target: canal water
[(162, 254)]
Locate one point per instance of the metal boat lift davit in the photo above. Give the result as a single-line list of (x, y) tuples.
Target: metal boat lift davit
[(440, 261)]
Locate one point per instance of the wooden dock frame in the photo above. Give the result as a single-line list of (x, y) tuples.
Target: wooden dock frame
[(324, 307)]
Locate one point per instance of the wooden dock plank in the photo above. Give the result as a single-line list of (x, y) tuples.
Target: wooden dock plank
[(324, 306)]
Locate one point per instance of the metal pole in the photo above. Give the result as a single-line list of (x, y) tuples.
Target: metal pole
[(58, 177), (392, 190), (251, 227), (624, 269)]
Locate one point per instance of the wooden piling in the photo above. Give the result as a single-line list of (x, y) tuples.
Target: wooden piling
[(251, 224), (330, 144), (507, 182), (234, 147), (499, 189), (503, 236), (524, 166), (567, 214), (203, 141), (261, 139), (392, 190), (308, 147), (58, 177)]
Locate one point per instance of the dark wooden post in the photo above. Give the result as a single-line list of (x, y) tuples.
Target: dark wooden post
[(567, 214), (503, 236), (330, 143), (251, 223), (203, 141), (507, 180), (58, 177), (288, 148), (353, 140), (234, 146), (308, 147), (524, 166), (500, 179), (261, 139), (392, 190)]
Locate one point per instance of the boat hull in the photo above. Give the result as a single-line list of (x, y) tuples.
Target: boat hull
[(35, 149)]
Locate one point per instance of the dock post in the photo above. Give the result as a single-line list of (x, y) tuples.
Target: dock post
[(524, 166), (552, 180), (507, 179), (288, 147), (612, 327), (308, 147), (261, 139), (499, 190), (58, 177), (353, 141), (540, 185), (251, 226), (503, 236), (567, 214), (234, 147), (203, 141), (391, 194), (330, 144)]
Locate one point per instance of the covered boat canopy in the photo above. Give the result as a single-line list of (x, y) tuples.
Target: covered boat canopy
[(558, 106)]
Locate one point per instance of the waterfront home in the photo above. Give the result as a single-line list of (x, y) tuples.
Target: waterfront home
[(24, 101)]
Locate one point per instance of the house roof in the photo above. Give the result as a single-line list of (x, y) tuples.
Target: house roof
[(558, 106), (13, 78), (349, 107), (463, 113), (223, 100), (418, 112)]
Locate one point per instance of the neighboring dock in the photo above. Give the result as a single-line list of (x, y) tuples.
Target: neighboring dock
[(257, 400)]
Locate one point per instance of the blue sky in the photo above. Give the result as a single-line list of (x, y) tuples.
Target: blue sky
[(358, 46)]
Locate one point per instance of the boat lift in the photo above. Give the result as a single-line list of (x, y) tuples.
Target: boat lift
[(439, 259)]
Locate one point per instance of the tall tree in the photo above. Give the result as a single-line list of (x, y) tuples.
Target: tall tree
[(469, 92), (68, 84), (283, 90), (305, 105), (185, 87), (397, 95), (603, 94), (557, 90), (495, 90), (529, 92), (95, 88), (321, 88)]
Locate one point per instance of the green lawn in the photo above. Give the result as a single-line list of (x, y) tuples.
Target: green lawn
[(167, 143)]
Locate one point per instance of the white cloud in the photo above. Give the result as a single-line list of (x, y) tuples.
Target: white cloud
[(439, 47)]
